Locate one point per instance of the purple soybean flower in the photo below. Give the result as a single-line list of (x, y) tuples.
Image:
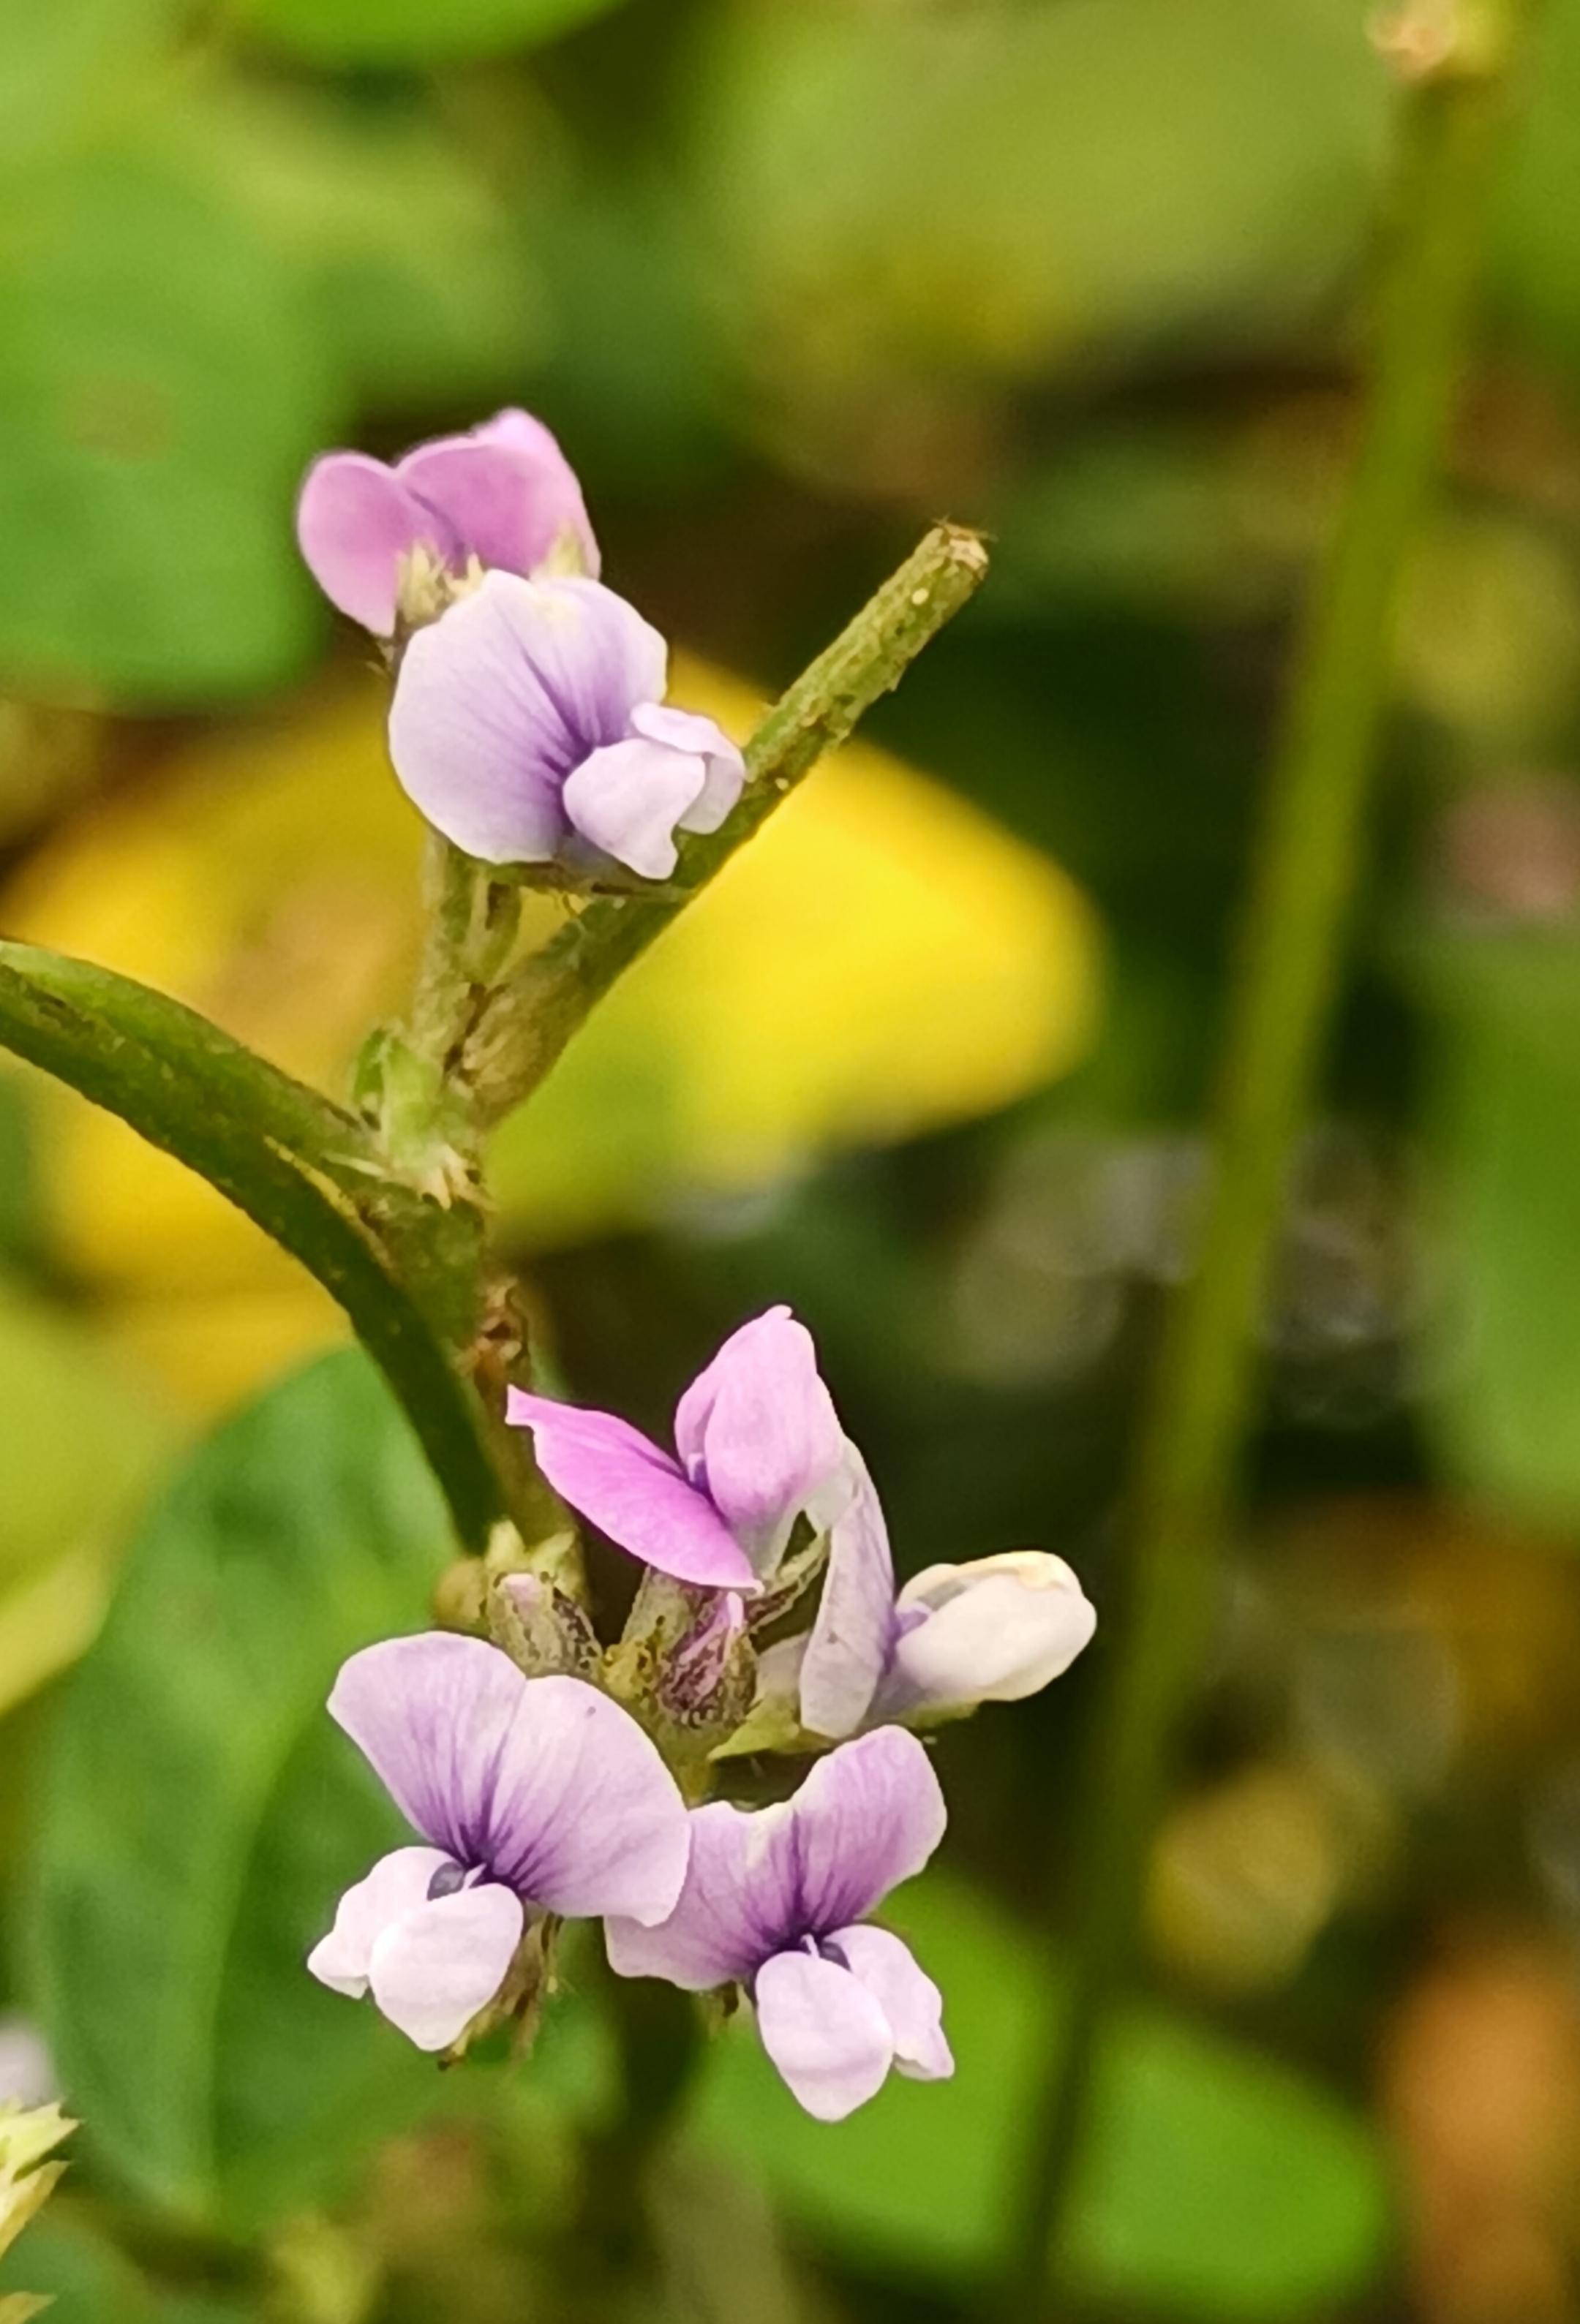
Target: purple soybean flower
[(530, 716), (759, 1444), (775, 1900), (529, 1793), (504, 493), (993, 1630)]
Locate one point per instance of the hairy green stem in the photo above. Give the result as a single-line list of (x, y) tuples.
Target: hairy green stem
[(521, 1030), (473, 917), (1303, 879)]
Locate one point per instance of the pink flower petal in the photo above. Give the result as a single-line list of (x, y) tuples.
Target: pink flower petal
[(758, 1433), (354, 521), (507, 491), (630, 1491)]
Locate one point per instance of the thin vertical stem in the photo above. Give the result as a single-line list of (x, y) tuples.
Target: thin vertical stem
[(1303, 879)]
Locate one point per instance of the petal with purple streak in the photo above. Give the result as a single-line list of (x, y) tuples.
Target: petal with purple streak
[(630, 1491), (758, 1433), (827, 2036), (354, 520), (853, 1635), (628, 799), (738, 1906), (545, 1783), (594, 657), (993, 1630), (397, 1884), (867, 1817), (507, 491), (906, 1995), (504, 696), (434, 1969)]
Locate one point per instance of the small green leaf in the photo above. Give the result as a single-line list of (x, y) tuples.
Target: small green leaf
[(304, 1170), (417, 32), (201, 1814), (1219, 2184)]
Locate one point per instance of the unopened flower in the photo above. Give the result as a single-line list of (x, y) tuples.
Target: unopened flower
[(529, 1793), (759, 1444), (529, 723), (775, 1900), (993, 1630), (505, 495)]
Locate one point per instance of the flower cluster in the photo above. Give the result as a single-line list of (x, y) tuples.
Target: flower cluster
[(539, 1792), (528, 721), (546, 1776)]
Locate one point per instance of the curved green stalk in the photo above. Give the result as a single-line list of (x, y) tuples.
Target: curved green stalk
[(1303, 880), (520, 1033), (302, 1169)]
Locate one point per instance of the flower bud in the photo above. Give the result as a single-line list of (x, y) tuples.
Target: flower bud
[(991, 1631)]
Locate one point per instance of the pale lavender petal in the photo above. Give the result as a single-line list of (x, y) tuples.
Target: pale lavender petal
[(433, 1715), (594, 656), (437, 1967), (907, 1997), (506, 490), (476, 742), (989, 1631), (825, 2032), (853, 1637), (396, 1886), (609, 1472), (586, 1818), (867, 1817), (353, 521), (738, 1906), (628, 798), (758, 1433), (687, 730)]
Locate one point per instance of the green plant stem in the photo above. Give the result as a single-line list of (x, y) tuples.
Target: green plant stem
[(304, 1170), (1303, 879), (522, 1028), (473, 917)]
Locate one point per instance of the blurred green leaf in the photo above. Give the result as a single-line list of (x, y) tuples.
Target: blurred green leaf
[(1538, 250), (201, 1815), (938, 192), (85, 2279), (417, 32), (159, 392), (455, 309), (1503, 1117), (1220, 2182), (69, 67), (53, 1370)]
